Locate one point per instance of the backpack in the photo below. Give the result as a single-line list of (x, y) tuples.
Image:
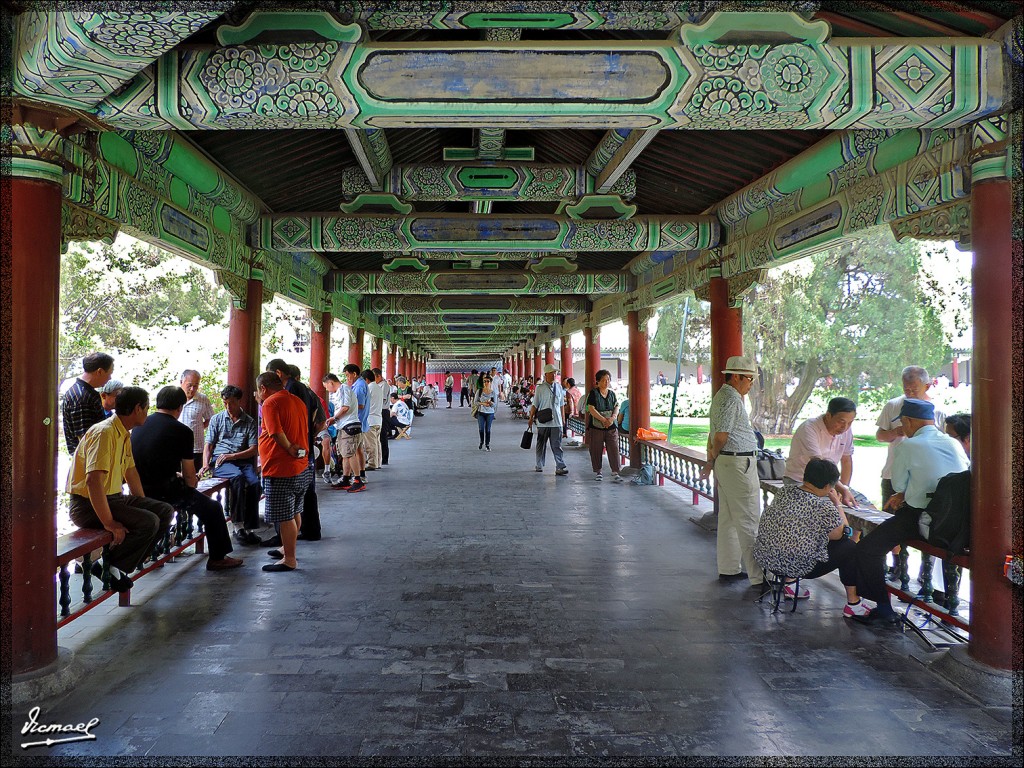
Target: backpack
[(645, 476), (946, 521)]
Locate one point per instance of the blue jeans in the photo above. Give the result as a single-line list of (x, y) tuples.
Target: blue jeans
[(554, 436), (244, 491), (484, 421)]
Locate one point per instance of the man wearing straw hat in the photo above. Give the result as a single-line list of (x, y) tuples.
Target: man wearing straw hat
[(732, 449)]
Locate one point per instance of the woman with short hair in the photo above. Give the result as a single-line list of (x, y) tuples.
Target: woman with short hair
[(602, 408), (804, 534)]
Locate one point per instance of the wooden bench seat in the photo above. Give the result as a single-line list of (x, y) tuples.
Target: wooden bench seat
[(84, 541)]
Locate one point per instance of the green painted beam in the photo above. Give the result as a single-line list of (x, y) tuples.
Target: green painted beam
[(496, 319), (484, 180), (374, 155), (481, 233), (487, 283), (761, 80), (470, 305), (77, 58)]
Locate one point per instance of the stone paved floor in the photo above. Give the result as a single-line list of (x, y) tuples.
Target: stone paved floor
[(467, 606)]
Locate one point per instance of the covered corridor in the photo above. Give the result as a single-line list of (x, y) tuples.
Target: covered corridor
[(467, 606)]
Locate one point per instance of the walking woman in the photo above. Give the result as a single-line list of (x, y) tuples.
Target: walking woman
[(602, 408), (484, 399)]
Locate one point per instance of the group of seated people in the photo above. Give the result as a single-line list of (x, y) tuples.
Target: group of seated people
[(804, 532)]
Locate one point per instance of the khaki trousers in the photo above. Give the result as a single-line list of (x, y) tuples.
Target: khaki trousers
[(739, 510), (371, 445)]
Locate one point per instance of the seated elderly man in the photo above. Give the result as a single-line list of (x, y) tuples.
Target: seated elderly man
[(402, 417), (804, 533), (918, 463), (829, 436), (230, 453)]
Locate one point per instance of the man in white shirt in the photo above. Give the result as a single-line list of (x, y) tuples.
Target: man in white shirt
[(346, 419), (196, 413), (375, 403), (402, 415), (829, 436)]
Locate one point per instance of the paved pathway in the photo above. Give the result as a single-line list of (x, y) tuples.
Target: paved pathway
[(466, 605)]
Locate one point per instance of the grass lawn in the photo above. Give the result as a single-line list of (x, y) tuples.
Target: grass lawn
[(693, 433)]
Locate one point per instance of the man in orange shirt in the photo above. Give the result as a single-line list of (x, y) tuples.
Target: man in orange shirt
[(283, 448)]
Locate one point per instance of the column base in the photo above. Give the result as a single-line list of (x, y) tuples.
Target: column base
[(708, 521), (49, 682), (988, 685)]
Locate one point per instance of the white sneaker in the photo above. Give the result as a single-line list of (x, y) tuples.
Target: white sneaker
[(860, 609), (598, 476), (616, 478)]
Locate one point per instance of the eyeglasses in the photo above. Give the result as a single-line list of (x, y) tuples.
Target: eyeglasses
[(746, 376)]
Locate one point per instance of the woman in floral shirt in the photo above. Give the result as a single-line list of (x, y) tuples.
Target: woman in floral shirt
[(804, 533)]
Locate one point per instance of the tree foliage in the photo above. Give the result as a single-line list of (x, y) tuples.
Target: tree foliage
[(111, 297), (853, 316), (696, 344)]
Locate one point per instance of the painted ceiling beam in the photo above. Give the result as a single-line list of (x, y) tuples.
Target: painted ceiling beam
[(485, 180), (652, 15), (481, 233), (469, 305), (614, 154), (374, 155), (489, 283), (78, 58), (494, 319), (775, 71)]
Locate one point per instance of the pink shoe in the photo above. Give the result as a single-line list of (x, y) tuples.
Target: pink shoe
[(857, 609), (791, 594)]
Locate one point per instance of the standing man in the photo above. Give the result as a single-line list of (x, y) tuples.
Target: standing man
[(829, 436), (385, 414), (449, 387), (315, 420), (550, 398), (464, 390), (287, 473), (374, 405), (82, 406), (196, 414), (358, 384), (162, 447), (921, 460), (102, 464), (231, 445), (350, 431), (731, 447)]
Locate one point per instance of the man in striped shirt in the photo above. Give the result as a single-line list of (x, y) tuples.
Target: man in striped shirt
[(82, 406)]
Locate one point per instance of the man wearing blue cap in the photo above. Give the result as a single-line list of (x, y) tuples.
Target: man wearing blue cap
[(919, 462)]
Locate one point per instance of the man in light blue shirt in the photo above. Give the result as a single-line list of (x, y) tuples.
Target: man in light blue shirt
[(919, 462)]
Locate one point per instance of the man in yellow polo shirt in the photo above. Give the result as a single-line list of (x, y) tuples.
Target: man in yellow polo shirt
[(102, 464)]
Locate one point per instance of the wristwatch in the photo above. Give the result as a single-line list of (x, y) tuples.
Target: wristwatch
[(848, 532)]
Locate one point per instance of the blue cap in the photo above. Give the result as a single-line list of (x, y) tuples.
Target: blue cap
[(917, 409)]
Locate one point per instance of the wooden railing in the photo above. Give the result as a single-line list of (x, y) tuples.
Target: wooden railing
[(678, 464), (577, 426), (83, 542)]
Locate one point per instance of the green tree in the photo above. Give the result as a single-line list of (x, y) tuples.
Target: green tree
[(109, 294), (853, 316), (696, 345)]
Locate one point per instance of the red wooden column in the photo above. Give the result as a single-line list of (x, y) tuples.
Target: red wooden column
[(320, 353), (639, 382), (992, 420), (549, 353), (592, 356), (30, 407), (726, 330), (355, 346), (244, 343), (517, 365), (376, 352), (390, 372), (566, 358), (538, 363)]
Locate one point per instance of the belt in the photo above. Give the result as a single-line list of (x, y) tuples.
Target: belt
[(735, 453)]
